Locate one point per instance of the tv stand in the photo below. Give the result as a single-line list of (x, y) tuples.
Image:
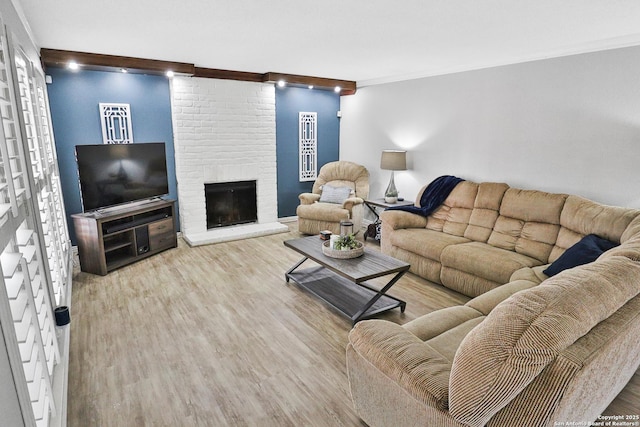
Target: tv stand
[(112, 239)]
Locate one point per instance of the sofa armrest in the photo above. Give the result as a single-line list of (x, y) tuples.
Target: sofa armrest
[(349, 203), (405, 359), (401, 219), (308, 198)]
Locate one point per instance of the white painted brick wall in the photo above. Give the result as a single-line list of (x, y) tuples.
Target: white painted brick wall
[(224, 130)]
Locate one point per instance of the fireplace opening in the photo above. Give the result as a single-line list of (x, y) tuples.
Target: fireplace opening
[(230, 203)]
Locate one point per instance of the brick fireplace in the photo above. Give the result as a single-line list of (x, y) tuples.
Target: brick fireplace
[(224, 131)]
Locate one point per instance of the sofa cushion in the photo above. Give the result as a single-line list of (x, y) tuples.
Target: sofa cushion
[(448, 342), (489, 300), (532, 274), (467, 284), (404, 358), (581, 217), (588, 249), (413, 240), (485, 261), (632, 230), (529, 222), (485, 211), (629, 249), (452, 217), (420, 265), (438, 322), (532, 205), (481, 223), (588, 217), (535, 239), (525, 333)]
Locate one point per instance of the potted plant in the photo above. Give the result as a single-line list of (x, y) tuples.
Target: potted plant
[(347, 242), (343, 247), (391, 196)]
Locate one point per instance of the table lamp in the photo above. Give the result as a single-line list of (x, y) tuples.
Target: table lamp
[(393, 160)]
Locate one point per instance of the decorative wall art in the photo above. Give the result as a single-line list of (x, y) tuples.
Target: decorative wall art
[(308, 146), (116, 123)]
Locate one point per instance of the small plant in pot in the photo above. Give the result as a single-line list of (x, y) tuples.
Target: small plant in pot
[(391, 196), (346, 243)]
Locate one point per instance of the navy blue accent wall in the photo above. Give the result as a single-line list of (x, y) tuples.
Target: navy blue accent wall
[(289, 102), (74, 99)]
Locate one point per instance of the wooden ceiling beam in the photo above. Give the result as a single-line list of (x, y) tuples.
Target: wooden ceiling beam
[(214, 73), (347, 87), (95, 61)]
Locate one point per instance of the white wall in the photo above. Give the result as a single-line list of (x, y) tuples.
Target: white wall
[(568, 124)]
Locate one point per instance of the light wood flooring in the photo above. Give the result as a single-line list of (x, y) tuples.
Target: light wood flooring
[(213, 336)]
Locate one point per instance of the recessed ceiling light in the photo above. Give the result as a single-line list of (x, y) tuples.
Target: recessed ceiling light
[(337, 89), (310, 86), (73, 65), (123, 70), (281, 83), (170, 74)]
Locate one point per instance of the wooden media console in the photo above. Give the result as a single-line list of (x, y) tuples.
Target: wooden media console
[(116, 237)]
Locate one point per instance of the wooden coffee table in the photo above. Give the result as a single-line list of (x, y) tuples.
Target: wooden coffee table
[(342, 282)]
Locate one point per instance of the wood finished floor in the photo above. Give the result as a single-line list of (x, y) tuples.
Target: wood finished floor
[(213, 336)]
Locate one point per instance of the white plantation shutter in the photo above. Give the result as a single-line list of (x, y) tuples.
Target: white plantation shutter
[(35, 252), (33, 319), (12, 176), (50, 204)]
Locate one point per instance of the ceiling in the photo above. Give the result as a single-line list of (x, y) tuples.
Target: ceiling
[(368, 41)]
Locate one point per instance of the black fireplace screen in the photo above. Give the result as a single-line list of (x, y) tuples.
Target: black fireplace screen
[(230, 203)]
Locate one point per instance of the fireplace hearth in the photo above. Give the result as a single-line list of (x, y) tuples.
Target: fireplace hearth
[(230, 203)]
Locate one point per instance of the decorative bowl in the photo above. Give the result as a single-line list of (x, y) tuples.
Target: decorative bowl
[(342, 254)]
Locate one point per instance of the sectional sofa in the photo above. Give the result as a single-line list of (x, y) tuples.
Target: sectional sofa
[(528, 349)]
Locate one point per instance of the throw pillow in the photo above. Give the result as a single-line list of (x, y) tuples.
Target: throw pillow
[(336, 195), (587, 250)]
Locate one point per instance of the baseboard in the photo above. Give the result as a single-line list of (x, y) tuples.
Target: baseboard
[(288, 219)]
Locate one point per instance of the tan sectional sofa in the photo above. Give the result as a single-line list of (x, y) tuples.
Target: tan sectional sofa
[(526, 350), (483, 233)]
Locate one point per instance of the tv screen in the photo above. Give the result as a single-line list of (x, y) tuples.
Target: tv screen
[(112, 174)]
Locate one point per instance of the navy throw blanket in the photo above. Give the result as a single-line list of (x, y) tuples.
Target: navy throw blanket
[(433, 196)]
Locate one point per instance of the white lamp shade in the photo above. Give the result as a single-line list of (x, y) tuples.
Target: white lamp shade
[(395, 160)]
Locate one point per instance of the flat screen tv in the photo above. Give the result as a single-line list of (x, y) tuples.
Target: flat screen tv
[(113, 174)]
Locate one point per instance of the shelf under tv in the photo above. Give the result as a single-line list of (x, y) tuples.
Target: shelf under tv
[(107, 241)]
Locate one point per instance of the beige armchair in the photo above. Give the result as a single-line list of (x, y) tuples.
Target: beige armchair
[(323, 210)]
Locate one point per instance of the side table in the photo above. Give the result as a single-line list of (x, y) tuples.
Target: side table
[(372, 204), (373, 230)]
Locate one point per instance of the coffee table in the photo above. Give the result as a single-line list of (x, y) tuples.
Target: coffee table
[(342, 282)]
